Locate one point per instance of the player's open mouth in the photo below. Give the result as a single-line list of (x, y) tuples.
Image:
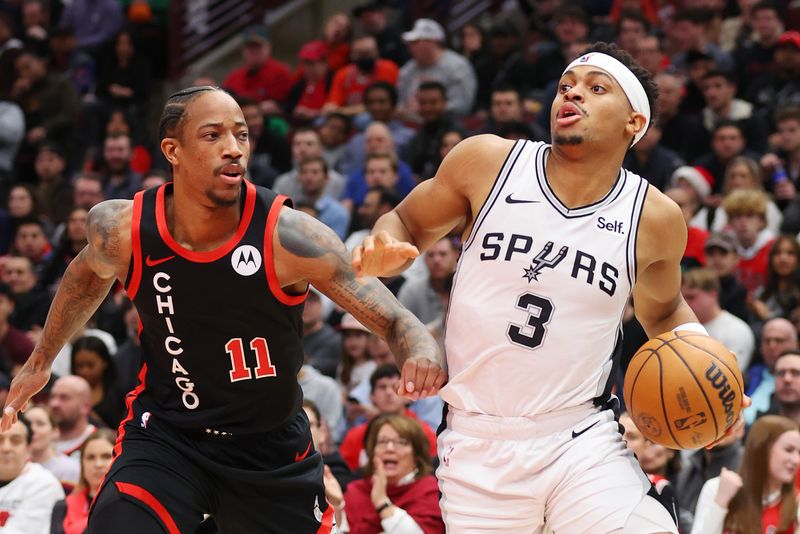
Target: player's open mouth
[(568, 115), (232, 173)]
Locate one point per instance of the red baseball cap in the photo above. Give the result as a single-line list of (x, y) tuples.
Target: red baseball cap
[(313, 51), (790, 38)]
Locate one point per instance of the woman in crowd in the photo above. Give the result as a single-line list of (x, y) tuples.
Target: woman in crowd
[(761, 497), (71, 515), (743, 173), (92, 361), (73, 239), (781, 292), (356, 366), (43, 449), (398, 493)]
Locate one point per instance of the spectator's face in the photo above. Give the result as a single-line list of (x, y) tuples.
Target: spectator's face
[(30, 67), (648, 54), (49, 165), (789, 135), (471, 38), (787, 60), (370, 209), (33, 15), (784, 458), (648, 143), (379, 171), (14, 451), (305, 144), (255, 53), (336, 28), (424, 51), (784, 259), (378, 138), (312, 178), (90, 366), (449, 141), (703, 303), (685, 201), (30, 241), (95, 461), (379, 351), (354, 343), (766, 24), (314, 70), (18, 274), (778, 335), (698, 69), (20, 202), (739, 177), (6, 307), (117, 153), (373, 21), (333, 133), (441, 259), (682, 34), (124, 46), (718, 93), (669, 95), (44, 433), (312, 312), (502, 44), (727, 143), (364, 48), (655, 457), (255, 122), (66, 404), (5, 31), (385, 397), (432, 104), (506, 107), (379, 105), (87, 193), (315, 426), (722, 262), (746, 227), (395, 453), (570, 29), (787, 380), (631, 32)]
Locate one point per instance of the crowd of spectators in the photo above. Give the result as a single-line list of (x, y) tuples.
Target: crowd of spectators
[(367, 111)]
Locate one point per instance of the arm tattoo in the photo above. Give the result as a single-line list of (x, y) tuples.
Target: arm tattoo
[(367, 298)]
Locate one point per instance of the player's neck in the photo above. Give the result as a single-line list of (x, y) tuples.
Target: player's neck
[(580, 177), (197, 226)]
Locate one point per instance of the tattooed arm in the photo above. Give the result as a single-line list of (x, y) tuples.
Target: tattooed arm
[(85, 284), (305, 250)]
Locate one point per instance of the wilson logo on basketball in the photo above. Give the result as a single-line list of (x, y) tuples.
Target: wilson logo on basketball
[(720, 383)]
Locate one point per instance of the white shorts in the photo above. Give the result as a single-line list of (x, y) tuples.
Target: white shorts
[(568, 472)]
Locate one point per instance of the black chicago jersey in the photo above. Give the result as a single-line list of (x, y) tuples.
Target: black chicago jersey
[(220, 338)]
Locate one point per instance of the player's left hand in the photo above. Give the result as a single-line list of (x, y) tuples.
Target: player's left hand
[(736, 428), (420, 378)]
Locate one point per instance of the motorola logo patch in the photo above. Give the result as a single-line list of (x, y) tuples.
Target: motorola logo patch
[(246, 260)]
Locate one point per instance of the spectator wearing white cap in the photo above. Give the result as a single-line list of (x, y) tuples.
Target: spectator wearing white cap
[(431, 61), (697, 182)]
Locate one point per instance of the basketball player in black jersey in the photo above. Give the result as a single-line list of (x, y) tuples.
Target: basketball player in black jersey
[(219, 270)]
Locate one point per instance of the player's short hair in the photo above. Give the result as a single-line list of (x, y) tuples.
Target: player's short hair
[(642, 74), (700, 278), (433, 85), (745, 202), (172, 116), (387, 370), (383, 155)]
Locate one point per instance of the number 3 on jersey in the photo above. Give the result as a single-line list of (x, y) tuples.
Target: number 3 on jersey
[(240, 371), (540, 311)]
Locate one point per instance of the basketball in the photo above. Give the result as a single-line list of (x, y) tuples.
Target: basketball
[(683, 389)]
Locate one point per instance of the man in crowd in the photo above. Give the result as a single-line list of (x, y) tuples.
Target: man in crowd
[(71, 402)]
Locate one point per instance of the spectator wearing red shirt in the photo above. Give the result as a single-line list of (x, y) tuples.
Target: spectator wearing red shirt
[(385, 381), (347, 90), (262, 78), (308, 95), (747, 216)]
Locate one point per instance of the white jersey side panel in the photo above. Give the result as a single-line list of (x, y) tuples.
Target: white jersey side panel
[(539, 293)]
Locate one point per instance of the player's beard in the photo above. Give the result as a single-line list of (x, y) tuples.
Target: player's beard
[(568, 139), (222, 202)]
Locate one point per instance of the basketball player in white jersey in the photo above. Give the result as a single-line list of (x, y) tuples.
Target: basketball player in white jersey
[(557, 237)]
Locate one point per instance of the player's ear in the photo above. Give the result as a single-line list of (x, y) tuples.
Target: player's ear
[(636, 122), (169, 147)]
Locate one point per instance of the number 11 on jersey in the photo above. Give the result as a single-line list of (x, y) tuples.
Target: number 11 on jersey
[(240, 370)]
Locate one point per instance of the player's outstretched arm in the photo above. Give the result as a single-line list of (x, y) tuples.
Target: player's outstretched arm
[(86, 283), (434, 207), (305, 250)]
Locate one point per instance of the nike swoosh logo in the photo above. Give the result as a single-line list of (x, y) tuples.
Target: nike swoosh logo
[(510, 200), (576, 434), (301, 457), (152, 263)]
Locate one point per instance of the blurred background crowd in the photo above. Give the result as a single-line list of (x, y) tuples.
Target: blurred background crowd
[(347, 126)]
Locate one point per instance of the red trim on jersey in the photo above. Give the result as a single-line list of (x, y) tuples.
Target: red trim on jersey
[(269, 259), (129, 408), (136, 246), (138, 492), (220, 251), (327, 521)]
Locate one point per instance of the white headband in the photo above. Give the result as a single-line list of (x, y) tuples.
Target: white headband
[(625, 78)]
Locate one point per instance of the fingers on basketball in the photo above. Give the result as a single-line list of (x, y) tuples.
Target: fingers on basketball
[(683, 390)]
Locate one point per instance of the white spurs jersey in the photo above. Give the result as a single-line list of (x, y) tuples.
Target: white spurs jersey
[(538, 296)]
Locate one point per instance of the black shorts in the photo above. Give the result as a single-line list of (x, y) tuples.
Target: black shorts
[(268, 482)]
